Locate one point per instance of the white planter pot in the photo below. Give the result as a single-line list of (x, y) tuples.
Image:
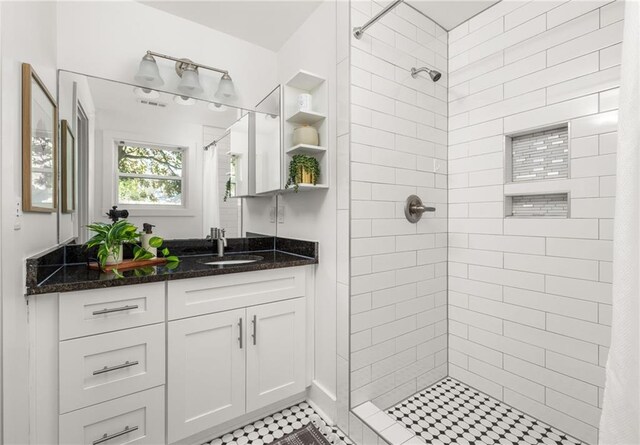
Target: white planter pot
[(112, 259)]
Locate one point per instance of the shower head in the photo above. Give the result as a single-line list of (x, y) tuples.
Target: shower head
[(435, 75)]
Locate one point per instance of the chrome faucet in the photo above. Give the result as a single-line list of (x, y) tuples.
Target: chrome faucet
[(217, 236)]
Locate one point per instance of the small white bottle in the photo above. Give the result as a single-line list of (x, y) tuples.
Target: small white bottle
[(146, 236)]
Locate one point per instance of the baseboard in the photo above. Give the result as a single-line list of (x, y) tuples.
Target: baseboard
[(323, 402)]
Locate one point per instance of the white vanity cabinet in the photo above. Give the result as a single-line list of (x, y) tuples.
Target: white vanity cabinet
[(236, 361), (170, 362)]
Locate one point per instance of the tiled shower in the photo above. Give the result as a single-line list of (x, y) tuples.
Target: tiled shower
[(506, 288)]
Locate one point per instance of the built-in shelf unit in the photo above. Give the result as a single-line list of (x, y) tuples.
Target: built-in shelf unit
[(304, 82)]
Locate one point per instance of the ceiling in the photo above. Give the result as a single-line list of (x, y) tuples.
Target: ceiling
[(269, 23), (451, 13), (272, 22)]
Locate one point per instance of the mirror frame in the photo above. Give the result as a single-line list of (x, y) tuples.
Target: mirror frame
[(67, 178), (29, 75)]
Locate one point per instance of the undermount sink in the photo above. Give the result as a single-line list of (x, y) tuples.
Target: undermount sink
[(234, 260)]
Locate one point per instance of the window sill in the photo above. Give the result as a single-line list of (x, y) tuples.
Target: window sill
[(159, 212)]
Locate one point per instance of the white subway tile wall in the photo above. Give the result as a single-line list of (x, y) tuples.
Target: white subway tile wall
[(398, 148), (530, 298)]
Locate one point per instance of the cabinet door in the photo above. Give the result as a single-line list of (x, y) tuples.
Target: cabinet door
[(206, 372), (275, 352)]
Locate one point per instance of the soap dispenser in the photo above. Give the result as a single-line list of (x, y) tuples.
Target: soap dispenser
[(146, 236)]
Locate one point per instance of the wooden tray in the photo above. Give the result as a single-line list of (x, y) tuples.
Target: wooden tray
[(128, 264)]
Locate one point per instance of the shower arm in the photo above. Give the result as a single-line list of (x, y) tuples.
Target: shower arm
[(358, 31), (416, 71)]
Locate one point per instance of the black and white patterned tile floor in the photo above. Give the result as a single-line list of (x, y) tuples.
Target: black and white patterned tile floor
[(271, 428), (450, 412)]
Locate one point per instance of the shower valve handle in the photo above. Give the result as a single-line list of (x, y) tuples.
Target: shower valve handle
[(413, 209), (421, 209)]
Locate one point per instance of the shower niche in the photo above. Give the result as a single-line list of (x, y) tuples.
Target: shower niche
[(537, 162)]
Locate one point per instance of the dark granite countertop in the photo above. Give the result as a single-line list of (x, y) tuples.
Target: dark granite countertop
[(64, 269)]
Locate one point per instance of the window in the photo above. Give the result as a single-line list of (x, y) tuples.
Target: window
[(150, 175)]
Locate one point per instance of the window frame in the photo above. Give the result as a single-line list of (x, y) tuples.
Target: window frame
[(146, 206)]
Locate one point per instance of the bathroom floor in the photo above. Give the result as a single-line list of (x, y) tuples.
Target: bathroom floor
[(271, 428), (450, 412)]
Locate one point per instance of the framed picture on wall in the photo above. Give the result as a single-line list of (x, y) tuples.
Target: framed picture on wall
[(68, 174), (39, 144)]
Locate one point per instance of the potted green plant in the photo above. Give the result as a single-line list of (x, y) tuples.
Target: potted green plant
[(227, 189), (110, 239), (228, 186), (303, 169)]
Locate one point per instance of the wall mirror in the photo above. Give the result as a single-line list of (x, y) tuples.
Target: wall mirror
[(170, 160), (39, 144), (268, 143)]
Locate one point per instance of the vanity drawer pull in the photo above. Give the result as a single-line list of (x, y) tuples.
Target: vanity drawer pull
[(108, 437), (116, 367), (254, 322), (240, 332), (115, 309)]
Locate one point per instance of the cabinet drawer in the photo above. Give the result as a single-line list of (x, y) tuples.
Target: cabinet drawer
[(199, 296), (102, 367), (138, 418), (102, 310)]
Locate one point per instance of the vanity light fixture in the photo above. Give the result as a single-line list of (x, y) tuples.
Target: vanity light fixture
[(214, 106), (184, 100), (190, 83), (146, 93), (149, 75), (225, 88)]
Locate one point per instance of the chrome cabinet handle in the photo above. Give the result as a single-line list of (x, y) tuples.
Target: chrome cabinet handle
[(108, 437), (116, 367), (254, 322), (240, 332), (115, 309)]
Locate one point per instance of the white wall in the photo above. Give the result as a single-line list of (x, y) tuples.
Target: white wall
[(398, 148), (312, 215), (1, 236), (39, 231), (108, 39), (529, 299)]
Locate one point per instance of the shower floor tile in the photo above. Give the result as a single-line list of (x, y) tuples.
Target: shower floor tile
[(450, 412), (271, 428)]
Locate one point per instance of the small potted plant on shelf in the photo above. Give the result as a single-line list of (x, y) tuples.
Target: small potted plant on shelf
[(303, 169), (110, 240), (227, 189)]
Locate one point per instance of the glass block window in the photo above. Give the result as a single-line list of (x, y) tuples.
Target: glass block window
[(540, 206), (541, 155)]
